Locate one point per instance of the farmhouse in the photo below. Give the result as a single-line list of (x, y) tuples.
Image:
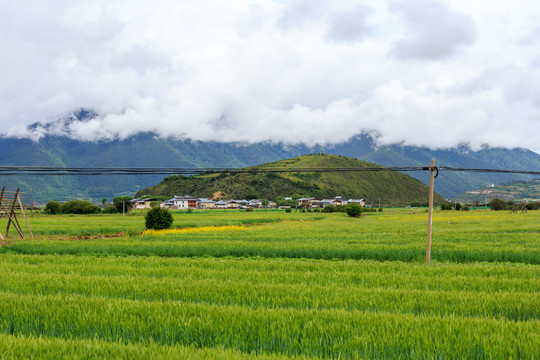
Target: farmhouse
[(181, 202), (360, 202), (142, 203), (309, 202), (206, 204)]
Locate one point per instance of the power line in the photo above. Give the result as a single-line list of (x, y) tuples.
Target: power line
[(41, 170)]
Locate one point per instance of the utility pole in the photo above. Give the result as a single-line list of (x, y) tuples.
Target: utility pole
[(124, 208), (432, 169)]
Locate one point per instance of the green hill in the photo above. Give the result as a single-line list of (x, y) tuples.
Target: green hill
[(388, 187), (516, 191)]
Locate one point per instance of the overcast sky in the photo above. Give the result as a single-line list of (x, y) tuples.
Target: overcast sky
[(420, 72)]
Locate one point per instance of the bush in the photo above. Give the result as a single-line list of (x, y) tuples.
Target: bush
[(110, 210), (288, 210), (380, 210), (446, 206), (341, 208), (498, 204), (458, 206), (328, 208), (119, 203), (158, 219), (91, 209), (249, 209), (465, 208), (533, 206), (79, 207), (353, 210), (52, 207)]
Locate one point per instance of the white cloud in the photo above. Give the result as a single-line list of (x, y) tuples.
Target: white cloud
[(262, 70), (434, 31)]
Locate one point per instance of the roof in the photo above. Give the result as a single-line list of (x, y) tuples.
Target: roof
[(185, 197)]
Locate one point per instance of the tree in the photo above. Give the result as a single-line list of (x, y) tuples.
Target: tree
[(52, 207), (79, 207), (353, 210), (498, 204), (119, 202), (158, 219)]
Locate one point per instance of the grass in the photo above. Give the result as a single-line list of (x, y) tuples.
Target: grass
[(458, 237), (274, 285)]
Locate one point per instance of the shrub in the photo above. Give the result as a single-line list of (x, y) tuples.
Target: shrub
[(52, 207), (91, 209), (158, 219), (380, 210), (458, 206), (465, 208), (288, 210), (110, 210), (353, 210), (328, 208), (79, 207), (498, 204), (249, 209), (119, 202), (533, 206), (446, 206)]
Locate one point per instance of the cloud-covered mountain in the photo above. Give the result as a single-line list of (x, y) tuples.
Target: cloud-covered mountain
[(56, 147)]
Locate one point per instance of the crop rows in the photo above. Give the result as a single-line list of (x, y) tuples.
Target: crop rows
[(465, 238), (287, 307)]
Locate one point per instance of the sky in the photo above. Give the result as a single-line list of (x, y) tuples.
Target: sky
[(417, 72)]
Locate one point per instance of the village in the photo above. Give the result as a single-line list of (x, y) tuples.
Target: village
[(186, 202)]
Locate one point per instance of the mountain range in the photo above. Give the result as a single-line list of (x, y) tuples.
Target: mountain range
[(147, 150)]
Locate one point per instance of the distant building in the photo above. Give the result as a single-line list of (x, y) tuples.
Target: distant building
[(142, 203), (308, 202), (181, 202), (360, 202), (205, 203)]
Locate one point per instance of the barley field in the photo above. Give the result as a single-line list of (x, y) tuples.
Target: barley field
[(274, 285)]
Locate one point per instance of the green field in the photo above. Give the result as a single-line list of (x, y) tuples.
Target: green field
[(274, 285)]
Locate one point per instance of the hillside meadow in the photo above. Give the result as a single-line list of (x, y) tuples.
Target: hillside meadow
[(270, 284)]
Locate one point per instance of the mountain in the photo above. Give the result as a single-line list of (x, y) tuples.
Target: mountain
[(516, 191), (147, 150), (386, 187)]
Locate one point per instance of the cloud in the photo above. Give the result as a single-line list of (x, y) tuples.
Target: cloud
[(434, 31), (349, 25), (261, 70)]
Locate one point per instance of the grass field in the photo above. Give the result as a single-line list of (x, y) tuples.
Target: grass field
[(274, 285)]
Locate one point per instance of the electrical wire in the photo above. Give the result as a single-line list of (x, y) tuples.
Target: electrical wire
[(44, 171)]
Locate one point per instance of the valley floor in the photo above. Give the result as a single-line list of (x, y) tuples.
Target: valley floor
[(274, 285)]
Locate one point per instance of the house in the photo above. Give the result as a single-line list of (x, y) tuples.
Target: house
[(308, 202), (168, 204), (255, 203), (340, 200), (142, 203), (185, 202), (231, 204), (271, 204), (326, 202), (205, 203), (360, 202), (222, 204)]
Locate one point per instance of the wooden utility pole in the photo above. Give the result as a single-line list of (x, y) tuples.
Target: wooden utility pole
[(430, 210)]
